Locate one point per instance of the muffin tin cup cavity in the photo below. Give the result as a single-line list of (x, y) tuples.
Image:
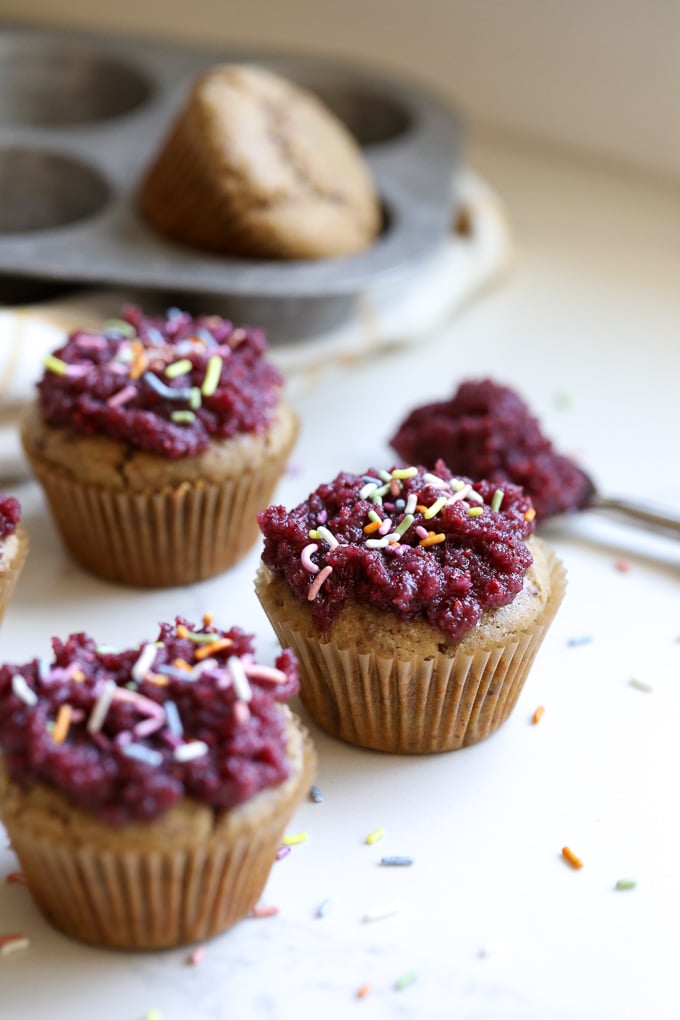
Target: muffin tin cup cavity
[(372, 117), (82, 117), (45, 190), (51, 84)]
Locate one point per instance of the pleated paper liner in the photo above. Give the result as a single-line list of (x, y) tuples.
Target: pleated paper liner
[(412, 705), (179, 535), (104, 892), (10, 574)]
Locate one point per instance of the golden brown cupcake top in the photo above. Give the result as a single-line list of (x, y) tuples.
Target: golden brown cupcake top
[(258, 166)]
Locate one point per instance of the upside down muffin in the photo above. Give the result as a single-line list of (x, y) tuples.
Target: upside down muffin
[(259, 167)]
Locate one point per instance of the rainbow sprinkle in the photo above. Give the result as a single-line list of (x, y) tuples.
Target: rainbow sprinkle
[(624, 884), (315, 586), (196, 956), (211, 379), (381, 913), (295, 838), (405, 980), (324, 908), (13, 943), (571, 858), (263, 910)]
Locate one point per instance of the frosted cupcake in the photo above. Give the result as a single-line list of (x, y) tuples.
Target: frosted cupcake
[(13, 548), (416, 602), (145, 791), (156, 442)]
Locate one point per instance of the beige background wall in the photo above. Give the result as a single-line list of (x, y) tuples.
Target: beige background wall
[(599, 74)]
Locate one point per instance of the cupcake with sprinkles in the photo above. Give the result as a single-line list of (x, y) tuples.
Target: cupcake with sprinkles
[(156, 442), (145, 791), (415, 600), (13, 548)]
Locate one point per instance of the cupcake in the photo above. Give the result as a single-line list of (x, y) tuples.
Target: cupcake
[(487, 431), (156, 441), (415, 602), (257, 166), (146, 791), (13, 548)]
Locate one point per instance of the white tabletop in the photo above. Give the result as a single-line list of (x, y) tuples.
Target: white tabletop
[(489, 921)]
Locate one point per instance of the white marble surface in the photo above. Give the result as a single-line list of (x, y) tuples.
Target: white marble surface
[(492, 921)]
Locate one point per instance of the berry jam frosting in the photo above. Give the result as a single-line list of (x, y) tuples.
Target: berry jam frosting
[(487, 431), (10, 515), (126, 734), (406, 540), (168, 385)]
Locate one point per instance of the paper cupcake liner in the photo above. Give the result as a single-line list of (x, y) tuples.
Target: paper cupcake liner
[(179, 535), (10, 574), (146, 900), (153, 899), (412, 705)]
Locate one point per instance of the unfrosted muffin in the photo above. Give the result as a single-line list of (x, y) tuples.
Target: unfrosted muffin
[(259, 167), (415, 602), (146, 791), (487, 431), (156, 442), (13, 548)]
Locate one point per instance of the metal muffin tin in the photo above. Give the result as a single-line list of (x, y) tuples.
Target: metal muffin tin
[(81, 116)]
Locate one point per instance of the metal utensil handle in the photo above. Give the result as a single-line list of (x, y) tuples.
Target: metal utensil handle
[(664, 522)]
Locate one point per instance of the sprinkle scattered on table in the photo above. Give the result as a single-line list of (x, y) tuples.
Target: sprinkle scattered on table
[(623, 566), (571, 858), (405, 980), (315, 794), (640, 685), (582, 639), (283, 851), (396, 861), (623, 884), (15, 878), (363, 991), (538, 714), (196, 956), (13, 943), (153, 1014), (324, 908), (294, 838), (263, 910), (380, 913), (375, 836)]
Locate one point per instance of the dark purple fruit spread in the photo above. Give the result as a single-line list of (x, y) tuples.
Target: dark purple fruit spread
[(167, 384), (418, 543), (487, 431), (10, 514), (126, 734)]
